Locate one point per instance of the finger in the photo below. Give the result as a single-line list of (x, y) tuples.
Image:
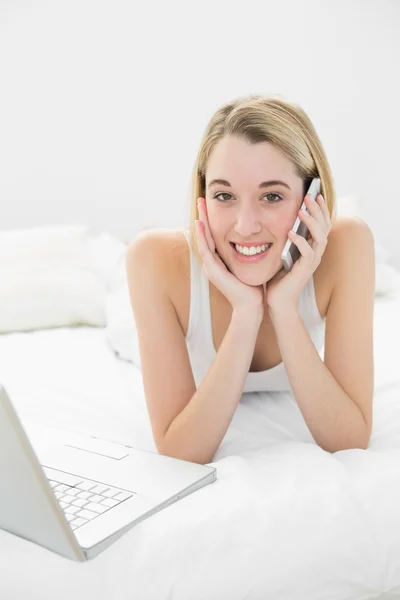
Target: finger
[(314, 208), (210, 260), (302, 244), (314, 248), (207, 256), (315, 227), (204, 219), (201, 240), (318, 209), (324, 209)]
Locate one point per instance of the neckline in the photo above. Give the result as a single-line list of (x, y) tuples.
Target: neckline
[(214, 351), (280, 364)]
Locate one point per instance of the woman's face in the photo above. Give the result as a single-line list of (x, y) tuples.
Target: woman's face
[(239, 210)]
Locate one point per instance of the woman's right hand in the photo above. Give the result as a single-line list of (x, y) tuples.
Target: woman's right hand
[(239, 294)]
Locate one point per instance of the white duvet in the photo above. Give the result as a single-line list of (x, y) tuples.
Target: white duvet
[(285, 520)]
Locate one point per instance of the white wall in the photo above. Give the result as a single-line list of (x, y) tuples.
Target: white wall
[(103, 102)]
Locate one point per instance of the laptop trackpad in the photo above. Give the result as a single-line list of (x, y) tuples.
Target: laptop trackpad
[(101, 447)]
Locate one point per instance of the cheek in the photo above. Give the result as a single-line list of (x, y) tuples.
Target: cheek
[(216, 219), (213, 210), (288, 218), (281, 223)]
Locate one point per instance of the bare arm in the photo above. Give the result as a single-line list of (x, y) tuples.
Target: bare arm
[(196, 433), (187, 423), (335, 396)]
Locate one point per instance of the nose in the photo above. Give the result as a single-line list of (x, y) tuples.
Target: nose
[(248, 221)]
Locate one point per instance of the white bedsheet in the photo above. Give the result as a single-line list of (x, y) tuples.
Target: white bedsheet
[(285, 520)]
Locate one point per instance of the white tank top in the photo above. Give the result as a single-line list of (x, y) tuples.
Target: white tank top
[(199, 339)]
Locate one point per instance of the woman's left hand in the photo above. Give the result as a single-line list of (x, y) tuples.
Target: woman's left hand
[(283, 290)]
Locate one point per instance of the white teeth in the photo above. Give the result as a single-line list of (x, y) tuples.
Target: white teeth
[(252, 250)]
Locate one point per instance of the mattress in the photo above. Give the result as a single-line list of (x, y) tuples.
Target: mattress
[(284, 520)]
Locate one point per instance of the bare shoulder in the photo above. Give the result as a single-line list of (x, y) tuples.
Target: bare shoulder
[(350, 248), (347, 234), (161, 252), (343, 240), (166, 246)]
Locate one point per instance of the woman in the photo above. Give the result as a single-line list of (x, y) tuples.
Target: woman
[(213, 323)]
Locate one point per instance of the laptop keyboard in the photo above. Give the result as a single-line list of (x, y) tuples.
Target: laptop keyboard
[(82, 500)]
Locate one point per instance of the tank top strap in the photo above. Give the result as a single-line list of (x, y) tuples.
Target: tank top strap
[(195, 290)]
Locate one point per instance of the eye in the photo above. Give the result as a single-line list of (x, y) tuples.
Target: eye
[(221, 194), (278, 196)]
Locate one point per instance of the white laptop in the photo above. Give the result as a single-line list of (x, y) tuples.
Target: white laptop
[(76, 494)]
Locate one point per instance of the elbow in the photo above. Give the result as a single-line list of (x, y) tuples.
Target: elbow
[(186, 458), (172, 445), (363, 442), (358, 441), (353, 444), (179, 454)]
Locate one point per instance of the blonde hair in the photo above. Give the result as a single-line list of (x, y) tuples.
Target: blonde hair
[(271, 119)]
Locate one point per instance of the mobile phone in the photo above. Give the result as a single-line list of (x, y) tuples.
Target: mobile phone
[(290, 252)]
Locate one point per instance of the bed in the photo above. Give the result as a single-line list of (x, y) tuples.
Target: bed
[(284, 520)]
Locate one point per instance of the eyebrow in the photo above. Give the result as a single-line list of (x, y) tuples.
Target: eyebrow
[(264, 184)]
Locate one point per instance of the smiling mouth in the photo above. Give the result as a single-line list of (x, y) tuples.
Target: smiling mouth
[(254, 246)]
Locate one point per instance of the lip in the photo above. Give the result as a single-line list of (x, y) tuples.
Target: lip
[(250, 244), (249, 259)]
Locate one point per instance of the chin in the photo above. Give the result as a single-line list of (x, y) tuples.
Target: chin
[(253, 279), (251, 274)]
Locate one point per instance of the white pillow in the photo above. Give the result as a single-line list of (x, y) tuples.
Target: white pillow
[(120, 330), (56, 240), (48, 279), (108, 252), (387, 279)]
